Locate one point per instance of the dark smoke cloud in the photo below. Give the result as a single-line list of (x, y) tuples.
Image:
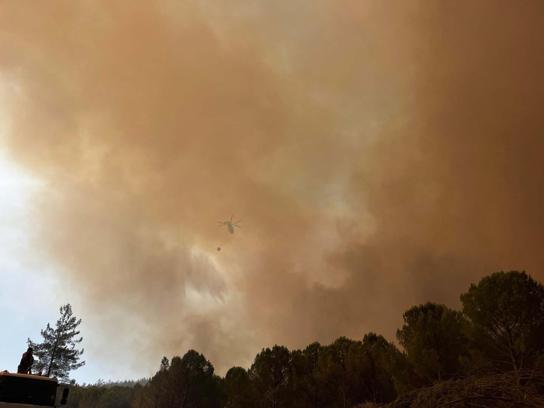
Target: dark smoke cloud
[(380, 155)]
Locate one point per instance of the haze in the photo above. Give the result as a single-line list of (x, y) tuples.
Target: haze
[(380, 154)]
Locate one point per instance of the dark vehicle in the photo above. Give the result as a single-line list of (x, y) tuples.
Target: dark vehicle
[(26, 391)]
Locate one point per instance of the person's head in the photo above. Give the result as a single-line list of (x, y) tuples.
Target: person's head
[(30, 350)]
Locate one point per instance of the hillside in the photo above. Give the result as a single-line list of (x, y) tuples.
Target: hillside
[(494, 391)]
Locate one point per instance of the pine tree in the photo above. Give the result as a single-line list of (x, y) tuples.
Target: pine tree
[(165, 364), (57, 355)]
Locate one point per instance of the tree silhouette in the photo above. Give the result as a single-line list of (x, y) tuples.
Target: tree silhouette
[(507, 313), (185, 382), (239, 389), (270, 373), (505, 328), (306, 385), (387, 371), (435, 341), (340, 370), (57, 355)]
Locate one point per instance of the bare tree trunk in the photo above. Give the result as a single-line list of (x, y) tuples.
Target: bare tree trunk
[(53, 355)]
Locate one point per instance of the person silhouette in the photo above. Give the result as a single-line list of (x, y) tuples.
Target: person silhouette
[(27, 360)]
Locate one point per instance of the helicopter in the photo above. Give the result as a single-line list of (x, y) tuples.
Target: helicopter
[(230, 224)]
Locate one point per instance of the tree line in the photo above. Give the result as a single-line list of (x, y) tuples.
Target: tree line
[(499, 329)]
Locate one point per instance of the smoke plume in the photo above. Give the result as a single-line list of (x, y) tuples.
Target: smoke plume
[(379, 154)]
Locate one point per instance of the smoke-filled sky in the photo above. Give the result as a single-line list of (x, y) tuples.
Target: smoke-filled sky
[(379, 154)]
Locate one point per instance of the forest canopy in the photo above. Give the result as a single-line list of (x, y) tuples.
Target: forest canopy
[(494, 341)]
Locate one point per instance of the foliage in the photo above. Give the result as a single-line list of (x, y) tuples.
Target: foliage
[(507, 314), (270, 374), (57, 355), (306, 384), (239, 389), (104, 396), (184, 382), (439, 345), (435, 341), (390, 372)]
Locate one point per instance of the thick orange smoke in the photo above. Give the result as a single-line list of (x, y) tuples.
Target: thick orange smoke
[(379, 155)]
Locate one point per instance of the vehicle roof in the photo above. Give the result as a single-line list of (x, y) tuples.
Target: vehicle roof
[(17, 405), (28, 376)]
